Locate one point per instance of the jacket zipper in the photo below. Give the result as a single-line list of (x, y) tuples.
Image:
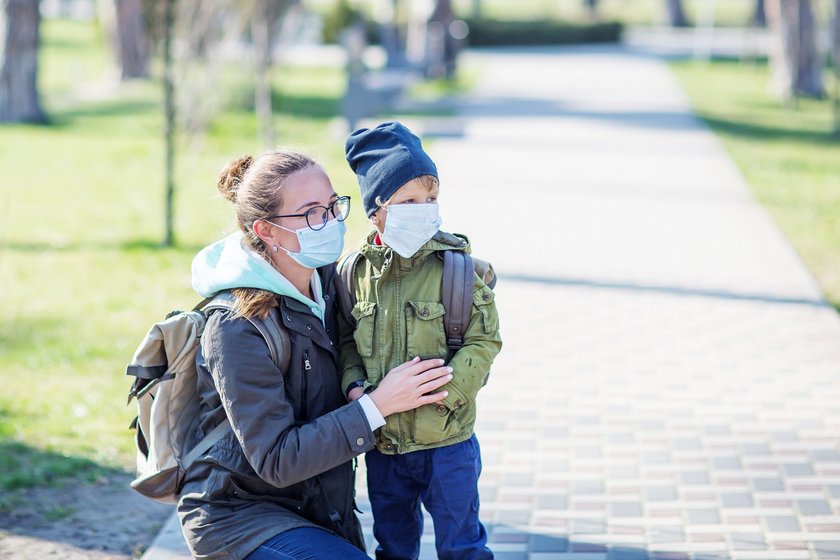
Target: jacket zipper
[(305, 385)]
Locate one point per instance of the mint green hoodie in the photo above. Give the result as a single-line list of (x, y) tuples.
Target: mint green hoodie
[(229, 263)]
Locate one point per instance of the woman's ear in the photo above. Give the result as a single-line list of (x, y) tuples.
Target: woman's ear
[(263, 230)]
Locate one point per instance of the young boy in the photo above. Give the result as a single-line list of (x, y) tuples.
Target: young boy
[(429, 455)]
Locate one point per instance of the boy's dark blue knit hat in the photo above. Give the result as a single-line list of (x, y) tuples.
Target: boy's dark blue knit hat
[(384, 159)]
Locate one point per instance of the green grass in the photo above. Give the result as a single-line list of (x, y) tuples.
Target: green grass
[(82, 275), (728, 13), (787, 154)]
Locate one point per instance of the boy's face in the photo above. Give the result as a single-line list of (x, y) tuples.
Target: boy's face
[(413, 192)]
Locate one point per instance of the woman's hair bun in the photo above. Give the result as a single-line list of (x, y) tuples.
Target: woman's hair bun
[(231, 177)]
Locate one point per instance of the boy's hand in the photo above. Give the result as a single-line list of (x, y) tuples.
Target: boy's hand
[(355, 393)]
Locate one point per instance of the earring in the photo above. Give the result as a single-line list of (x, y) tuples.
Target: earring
[(275, 248)]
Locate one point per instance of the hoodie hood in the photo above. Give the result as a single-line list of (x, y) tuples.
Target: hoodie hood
[(229, 264)]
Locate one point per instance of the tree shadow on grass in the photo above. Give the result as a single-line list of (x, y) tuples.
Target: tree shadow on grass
[(128, 245), (68, 117), (753, 131), (306, 106), (301, 106), (52, 504), (22, 466)]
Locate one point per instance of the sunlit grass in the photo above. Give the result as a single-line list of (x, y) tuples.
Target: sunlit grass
[(787, 154), (82, 274)]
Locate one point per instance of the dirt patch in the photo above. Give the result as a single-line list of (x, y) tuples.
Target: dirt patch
[(103, 521)]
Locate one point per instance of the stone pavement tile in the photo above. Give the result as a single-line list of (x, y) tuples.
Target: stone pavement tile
[(828, 549), (626, 553), (666, 534), (747, 541), (782, 524), (814, 507), (702, 516)]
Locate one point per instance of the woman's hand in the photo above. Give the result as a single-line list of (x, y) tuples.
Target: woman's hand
[(408, 385)]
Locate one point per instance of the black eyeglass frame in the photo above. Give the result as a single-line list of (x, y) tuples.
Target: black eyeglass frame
[(330, 209)]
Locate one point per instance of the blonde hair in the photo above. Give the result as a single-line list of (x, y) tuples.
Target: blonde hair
[(428, 181), (254, 186)]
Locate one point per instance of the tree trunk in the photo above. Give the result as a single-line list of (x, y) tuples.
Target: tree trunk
[(261, 30), (591, 8), (133, 44), (442, 48), (759, 18), (676, 13), (19, 40), (169, 117), (835, 59), (126, 31), (795, 61)]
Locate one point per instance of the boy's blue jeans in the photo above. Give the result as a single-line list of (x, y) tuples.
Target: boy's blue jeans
[(445, 480)]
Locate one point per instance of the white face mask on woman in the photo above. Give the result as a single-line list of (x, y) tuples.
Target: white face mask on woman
[(409, 226), (318, 248)]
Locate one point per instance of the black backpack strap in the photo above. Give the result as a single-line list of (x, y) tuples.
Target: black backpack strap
[(456, 296), (344, 286)]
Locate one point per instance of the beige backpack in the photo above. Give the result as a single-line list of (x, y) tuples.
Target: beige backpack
[(167, 400)]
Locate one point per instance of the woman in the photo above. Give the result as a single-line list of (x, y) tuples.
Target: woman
[(281, 484)]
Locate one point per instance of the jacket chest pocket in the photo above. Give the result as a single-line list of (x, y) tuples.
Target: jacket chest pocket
[(424, 325), (364, 312)]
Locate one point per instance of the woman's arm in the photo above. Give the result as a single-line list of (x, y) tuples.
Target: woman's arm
[(253, 394)]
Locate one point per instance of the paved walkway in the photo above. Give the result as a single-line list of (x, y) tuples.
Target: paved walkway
[(670, 382)]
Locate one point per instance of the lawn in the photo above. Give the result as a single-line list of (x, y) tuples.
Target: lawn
[(629, 12), (787, 154), (82, 274)]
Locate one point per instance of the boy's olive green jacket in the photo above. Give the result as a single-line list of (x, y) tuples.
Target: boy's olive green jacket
[(399, 315)]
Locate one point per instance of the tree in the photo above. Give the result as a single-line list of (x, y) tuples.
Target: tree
[(19, 41), (262, 29), (125, 27), (169, 119), (266, 18), (835, 59), (795, 61), (676, 13), (591, 8), (442, 46), (759, 18)]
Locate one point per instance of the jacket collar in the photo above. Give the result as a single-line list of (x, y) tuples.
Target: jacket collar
[(441, 241)]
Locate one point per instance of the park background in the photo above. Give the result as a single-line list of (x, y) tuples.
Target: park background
[(93, 248)]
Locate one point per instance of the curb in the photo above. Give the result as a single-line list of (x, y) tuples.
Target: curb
[(169, 544)]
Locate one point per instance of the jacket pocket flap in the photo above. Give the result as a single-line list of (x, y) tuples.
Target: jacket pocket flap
[(427, 310), (484, 296), (363, 309)]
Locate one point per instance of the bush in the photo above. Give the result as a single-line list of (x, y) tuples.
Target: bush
[(340, 16), (489, 32)]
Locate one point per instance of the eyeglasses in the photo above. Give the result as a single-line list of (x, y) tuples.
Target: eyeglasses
[(318, 216)]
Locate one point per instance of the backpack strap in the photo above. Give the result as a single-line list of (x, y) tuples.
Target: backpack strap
[(456, 296), (205, 444), (279, 346), (275, 335), (344, 285)]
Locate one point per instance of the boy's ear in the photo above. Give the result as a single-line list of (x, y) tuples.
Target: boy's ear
[(378, 219)]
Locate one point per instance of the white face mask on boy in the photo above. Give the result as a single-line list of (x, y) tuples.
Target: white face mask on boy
[(409, 226)]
